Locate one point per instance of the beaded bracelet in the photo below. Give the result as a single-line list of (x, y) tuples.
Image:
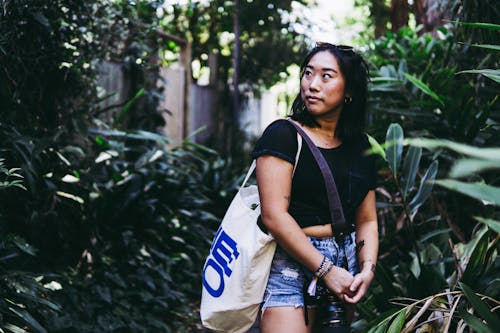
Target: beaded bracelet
[(325, 266)]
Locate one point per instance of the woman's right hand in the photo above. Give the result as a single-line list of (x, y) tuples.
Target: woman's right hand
[(338, 280)]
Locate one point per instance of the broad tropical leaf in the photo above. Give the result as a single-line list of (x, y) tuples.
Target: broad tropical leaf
[(486, 193), (410, 168), (425, 188), (465, 167), (394, 147), (492, 154)]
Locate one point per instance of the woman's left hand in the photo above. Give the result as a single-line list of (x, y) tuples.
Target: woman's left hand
[(360, 285)]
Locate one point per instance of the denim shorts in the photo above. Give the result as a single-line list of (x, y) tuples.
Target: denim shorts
[(285, 286)]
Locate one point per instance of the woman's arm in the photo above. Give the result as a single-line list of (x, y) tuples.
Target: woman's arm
[(274, 178), (367, 240)]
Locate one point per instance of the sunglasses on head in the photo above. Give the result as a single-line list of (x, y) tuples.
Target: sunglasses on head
[(344, 48)]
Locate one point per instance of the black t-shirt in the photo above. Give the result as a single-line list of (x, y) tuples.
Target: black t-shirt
[(354, 173)]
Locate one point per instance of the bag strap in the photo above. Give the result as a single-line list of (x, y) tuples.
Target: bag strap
[(254, 162), (338, 223)]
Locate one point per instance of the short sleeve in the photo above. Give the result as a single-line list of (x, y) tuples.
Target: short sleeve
[(279, 139)]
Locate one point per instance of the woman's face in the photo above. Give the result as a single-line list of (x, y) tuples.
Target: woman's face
[(322, 86)]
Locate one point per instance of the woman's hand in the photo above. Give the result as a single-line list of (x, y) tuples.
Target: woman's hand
[(339, 281), (360, 284)]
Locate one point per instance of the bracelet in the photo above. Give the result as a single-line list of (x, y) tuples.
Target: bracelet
[(325, 266)]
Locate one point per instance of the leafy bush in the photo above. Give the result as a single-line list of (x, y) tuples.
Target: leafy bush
[(148, 211), (133, 224), (415, 81), (22, 293), (442, 284), (120, 221)]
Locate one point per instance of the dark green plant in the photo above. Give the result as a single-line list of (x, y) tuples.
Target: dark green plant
[(149, 225), (421, 267), (468, 270), (418, 85), (125, 237), (416, 82), (405, 264), (22, 294), (10, 177)]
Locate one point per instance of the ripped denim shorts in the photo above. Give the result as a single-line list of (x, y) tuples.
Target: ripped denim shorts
[(285, 286)]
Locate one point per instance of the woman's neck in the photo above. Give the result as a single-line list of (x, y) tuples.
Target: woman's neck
[(327, 126)]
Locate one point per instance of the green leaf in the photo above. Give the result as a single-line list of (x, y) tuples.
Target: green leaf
[(415, 265), (482, 25), (482, 153), (24, 246), (380, 327), (425, 188), (41, 18), (465, 167), (410, 168), (487, 46), (493, 74), (64, 159), (28, 318), (398, 322), (486, 193), (200, 147), (136, 135), (475, 255), (129, 104), (492, 224), (482, 308), (100, 141), (70, 196), (394, 147), (14, 329), (376, 147), (425, 88), (434, 233), (476, 324)]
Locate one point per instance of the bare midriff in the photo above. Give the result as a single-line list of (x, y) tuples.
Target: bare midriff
[(319, 231)]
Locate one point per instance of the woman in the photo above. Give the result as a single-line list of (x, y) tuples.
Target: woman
[(330, 108)]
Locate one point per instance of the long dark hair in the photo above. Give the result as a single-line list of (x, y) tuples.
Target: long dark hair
[(356, 75)]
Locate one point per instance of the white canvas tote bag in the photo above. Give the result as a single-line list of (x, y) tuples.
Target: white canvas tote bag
[(237, 268)]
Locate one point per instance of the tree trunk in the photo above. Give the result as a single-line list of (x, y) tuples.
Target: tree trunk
[(399, 13), (236, 57), (236, 72), (427, 15), (379, 13)]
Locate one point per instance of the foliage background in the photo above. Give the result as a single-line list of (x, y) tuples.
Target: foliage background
[(104, 225)]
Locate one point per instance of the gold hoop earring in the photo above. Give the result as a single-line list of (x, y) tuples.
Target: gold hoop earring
[(348, 100)]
